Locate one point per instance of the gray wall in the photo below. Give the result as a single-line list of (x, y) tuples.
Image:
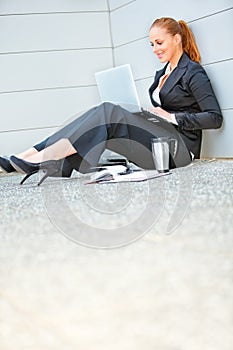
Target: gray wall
[(50, 49)]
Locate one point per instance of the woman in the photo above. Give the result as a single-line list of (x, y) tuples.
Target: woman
[(181, 95)]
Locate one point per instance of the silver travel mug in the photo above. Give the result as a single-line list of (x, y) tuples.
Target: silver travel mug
[(161, 149)]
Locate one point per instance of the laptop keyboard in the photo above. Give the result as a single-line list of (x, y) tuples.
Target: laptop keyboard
[(152, 117)]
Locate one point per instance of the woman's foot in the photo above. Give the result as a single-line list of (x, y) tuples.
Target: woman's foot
[(28, 153), (6, 165), (53, 168)]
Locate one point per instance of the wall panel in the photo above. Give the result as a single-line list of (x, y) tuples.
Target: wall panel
[(42, 6), (115, 4), (214, 36), (52, 69), (219, 143), (136, 18), (43, 32), (13, 142), (221, 76), (45, 108), (49, 52), (140, 56)]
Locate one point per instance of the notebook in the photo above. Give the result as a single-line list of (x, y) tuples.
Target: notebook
[(117, 85)]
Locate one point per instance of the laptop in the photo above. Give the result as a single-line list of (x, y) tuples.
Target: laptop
[(117, 85)]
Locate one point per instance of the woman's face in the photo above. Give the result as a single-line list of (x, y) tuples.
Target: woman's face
[(165, 46)]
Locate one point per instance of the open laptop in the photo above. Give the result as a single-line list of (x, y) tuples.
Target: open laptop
[(117, 85)]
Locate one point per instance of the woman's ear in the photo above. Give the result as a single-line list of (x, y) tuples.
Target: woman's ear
[(177, 38)]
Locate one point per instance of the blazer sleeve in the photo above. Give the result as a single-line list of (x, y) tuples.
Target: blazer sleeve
[(209, 115)]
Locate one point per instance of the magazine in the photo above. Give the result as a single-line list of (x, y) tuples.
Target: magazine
[(121, 173)]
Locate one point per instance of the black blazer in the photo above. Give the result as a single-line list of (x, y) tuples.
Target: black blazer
[(188, 94)]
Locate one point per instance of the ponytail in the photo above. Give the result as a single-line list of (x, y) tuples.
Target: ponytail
[(188, 41)]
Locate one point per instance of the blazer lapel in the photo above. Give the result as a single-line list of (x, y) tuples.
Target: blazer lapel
[(158, 75), (175, 75)]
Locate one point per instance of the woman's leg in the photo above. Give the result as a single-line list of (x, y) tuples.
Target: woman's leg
[(109, 126), (32, 151), (40, 153), (59, 150)]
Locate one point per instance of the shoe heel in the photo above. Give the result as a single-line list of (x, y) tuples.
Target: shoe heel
[(43, 178), (26, 177), (49, 172)]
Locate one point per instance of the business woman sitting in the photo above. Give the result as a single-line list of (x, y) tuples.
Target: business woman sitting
[(181, 94)]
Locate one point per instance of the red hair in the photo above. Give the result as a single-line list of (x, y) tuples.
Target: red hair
[(180, 27)]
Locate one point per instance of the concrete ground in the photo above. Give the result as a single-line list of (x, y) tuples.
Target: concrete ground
[(127, 266)]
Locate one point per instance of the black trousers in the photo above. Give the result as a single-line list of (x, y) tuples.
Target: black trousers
[(110, 126)]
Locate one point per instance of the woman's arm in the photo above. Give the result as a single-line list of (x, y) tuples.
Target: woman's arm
[(210, 116)]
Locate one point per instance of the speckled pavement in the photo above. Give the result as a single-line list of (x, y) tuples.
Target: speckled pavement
[(130, 266)]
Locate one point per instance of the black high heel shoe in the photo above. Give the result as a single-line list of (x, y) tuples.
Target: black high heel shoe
[(6, 165), (53, 168)]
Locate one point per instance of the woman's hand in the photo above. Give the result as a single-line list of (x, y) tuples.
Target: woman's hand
[(162, 113)]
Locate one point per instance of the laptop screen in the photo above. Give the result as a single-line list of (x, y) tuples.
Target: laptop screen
[(117, 85)]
